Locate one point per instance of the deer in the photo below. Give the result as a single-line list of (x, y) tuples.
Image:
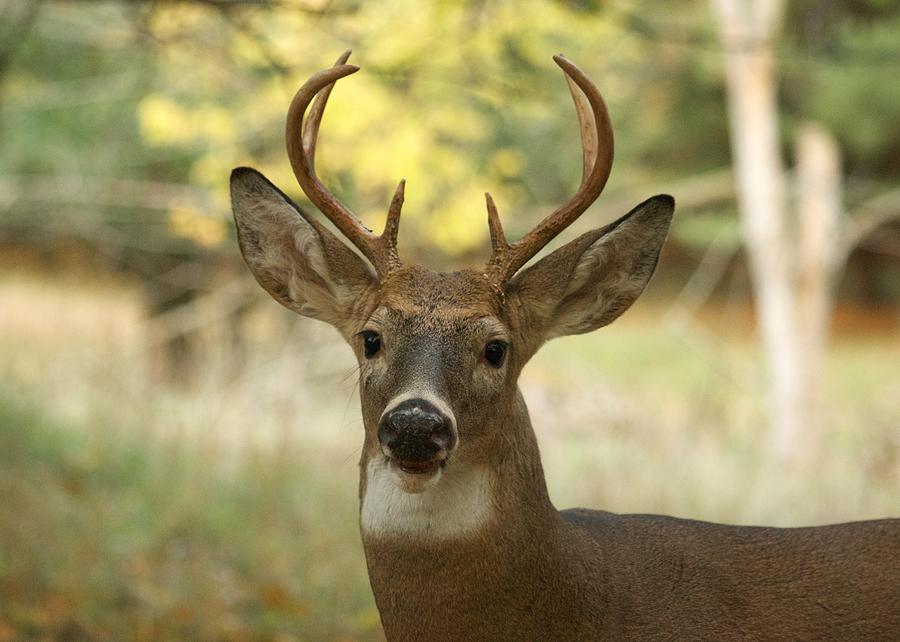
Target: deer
[(461, 539)]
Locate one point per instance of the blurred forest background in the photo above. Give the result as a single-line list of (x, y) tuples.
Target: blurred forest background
[(178, 453)]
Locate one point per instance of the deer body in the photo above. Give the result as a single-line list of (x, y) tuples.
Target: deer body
[(589, 575), (642, 578), (461, 539), (484, 555)]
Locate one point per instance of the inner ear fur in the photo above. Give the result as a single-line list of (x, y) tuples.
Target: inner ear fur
[(592, 280), (301, 264)]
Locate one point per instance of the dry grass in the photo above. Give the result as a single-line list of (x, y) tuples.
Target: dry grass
[(226, 509)]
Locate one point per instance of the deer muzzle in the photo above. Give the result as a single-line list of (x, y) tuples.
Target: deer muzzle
[(417, 436)]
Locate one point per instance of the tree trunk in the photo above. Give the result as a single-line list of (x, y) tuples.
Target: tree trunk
[(818, 205), (747, 30)]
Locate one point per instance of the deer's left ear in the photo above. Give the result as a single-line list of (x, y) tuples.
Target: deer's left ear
[(589, 282)]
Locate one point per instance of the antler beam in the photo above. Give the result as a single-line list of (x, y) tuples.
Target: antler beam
[(301, 147), (597, 146)]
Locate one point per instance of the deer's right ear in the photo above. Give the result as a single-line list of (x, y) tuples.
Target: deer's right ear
[(300, 263)]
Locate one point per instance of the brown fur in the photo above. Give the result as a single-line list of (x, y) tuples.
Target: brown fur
[(528, 571)]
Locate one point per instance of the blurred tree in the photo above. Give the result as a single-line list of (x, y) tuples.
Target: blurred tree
[(749, 30), (792, 251)]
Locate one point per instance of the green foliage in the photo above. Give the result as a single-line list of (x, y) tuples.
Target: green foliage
[(459, 98), (855, 100), (700, 230), (466, 101)]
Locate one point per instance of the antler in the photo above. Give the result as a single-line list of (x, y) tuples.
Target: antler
[(301, 148), (597, 145)]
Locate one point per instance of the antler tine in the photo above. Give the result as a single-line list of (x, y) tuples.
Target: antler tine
[(498, 238), (589, 136), (392, 226), (597, 150), (301, 147), (314, 120)]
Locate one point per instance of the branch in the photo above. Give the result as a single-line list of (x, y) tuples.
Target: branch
[(693, 193), (115, 192), (865, 219), (201, 312)]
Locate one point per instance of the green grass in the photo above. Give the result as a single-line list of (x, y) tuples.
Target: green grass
[(106, 536), (648, 419), (135, 508)]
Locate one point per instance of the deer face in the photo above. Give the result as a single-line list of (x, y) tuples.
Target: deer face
[(433, 369), (439, 354)]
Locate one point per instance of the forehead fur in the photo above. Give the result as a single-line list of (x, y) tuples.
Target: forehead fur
[(440, 296)]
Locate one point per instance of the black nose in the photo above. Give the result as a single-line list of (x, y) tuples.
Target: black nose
[(416, 430)]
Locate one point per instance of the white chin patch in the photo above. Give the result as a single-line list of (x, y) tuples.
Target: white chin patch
[(453, 502)]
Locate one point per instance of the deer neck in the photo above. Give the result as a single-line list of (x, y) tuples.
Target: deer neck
[(459, 545), (469, 499)]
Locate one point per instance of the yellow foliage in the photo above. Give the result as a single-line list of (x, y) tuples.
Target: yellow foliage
[(246, 50), (435, 75), (163, 121), (196, 226), (453, 120), (507, 163), (214, 123), (171, 20), (460, 222)]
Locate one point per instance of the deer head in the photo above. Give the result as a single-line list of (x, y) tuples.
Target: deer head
[(440, 353)]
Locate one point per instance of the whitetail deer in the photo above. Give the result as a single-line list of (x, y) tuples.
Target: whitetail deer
[(461, 539)]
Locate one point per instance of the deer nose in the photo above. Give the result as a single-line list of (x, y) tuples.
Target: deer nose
[(416, 430)]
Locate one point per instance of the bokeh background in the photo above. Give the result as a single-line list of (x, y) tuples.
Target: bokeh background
[(178, 453)]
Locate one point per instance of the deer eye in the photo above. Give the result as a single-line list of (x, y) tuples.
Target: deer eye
[(371, 343), (494, 352)]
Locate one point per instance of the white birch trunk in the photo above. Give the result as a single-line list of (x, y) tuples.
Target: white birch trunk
[(818, 201), (747, 30)]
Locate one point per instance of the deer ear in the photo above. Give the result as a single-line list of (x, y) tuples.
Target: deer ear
[(589, 282), (301, 264)]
